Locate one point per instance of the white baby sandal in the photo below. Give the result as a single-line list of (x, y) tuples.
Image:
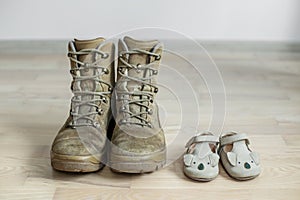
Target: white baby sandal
[(201, 158), (237, 158)]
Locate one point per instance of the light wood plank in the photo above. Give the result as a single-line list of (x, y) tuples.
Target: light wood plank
[(262, 82)]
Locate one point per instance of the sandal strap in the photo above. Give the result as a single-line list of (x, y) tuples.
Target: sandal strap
[(202, 138), (233, 138)]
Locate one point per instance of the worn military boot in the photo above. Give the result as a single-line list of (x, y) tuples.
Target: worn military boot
[(80, 144), (138, 141)]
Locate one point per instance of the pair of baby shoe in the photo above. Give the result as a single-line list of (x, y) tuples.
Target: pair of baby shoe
[(204, 151)]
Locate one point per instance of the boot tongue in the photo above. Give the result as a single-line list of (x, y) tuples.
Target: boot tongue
[(137, 44), (87, 44), (138, 59)]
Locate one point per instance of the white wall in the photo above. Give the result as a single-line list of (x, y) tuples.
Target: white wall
[(273, 20)]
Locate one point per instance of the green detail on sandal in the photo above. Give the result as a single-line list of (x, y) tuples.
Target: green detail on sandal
[(247, 165), (201, 166)]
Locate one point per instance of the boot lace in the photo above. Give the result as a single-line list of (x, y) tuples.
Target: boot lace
[(143, 81), (97, 98)]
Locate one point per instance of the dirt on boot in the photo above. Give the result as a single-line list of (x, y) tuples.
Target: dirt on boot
[(80, 145), (138, 141)]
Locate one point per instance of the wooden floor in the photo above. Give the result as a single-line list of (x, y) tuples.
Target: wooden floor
[(262, 82)]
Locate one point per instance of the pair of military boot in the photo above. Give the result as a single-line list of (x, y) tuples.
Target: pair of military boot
[(113, 116)]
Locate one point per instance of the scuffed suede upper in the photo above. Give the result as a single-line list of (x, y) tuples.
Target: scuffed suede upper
[(88, 140), (131, 137)]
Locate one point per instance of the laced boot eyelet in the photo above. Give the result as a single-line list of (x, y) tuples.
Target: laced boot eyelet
[(155, 90), (151, 100), (122, 109), (106, 55), (149, 125), (155, 72), (96, 124), (99, 111), (104, 100), (150, 111), (123, 121), (106, 71), (138, 66), (120, 69), (73, 71), (72, 124), (158, 57)]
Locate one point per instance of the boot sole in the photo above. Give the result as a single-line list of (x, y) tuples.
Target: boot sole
[(69, 163), (137, 164)]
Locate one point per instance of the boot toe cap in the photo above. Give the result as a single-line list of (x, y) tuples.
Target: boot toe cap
[(70, 142)]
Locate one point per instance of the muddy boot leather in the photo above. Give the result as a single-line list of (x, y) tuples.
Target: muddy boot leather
[(138, 141), (80, 144)]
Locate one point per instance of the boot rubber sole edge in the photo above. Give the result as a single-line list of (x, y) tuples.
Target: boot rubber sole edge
[(137, 164), (68, 163)]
